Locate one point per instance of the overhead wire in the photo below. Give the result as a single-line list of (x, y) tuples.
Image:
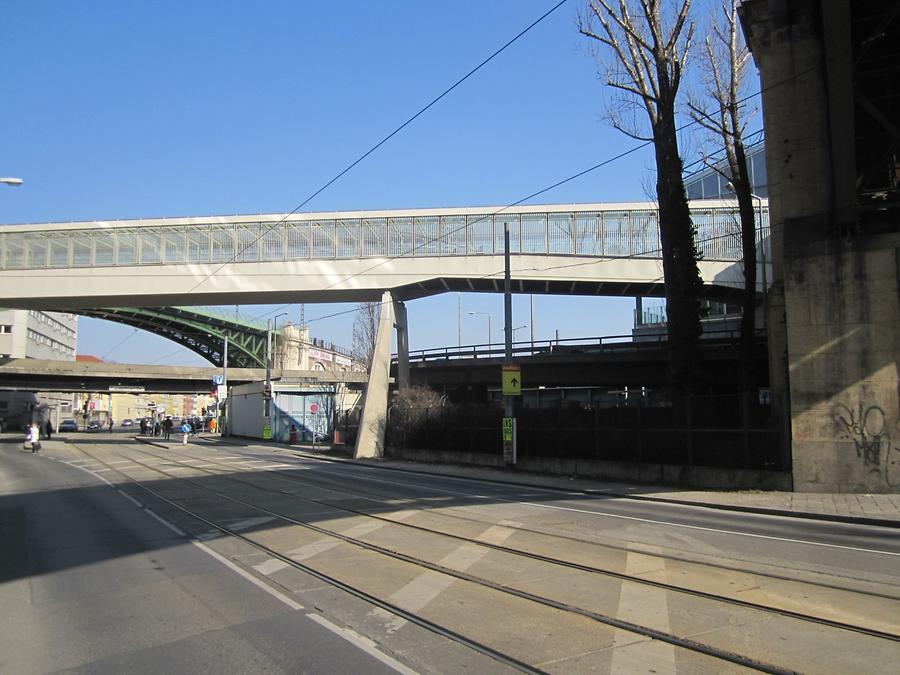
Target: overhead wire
[(384, 140), (517, 202)]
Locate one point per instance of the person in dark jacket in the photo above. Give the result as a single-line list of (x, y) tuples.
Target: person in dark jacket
[(48, 430)]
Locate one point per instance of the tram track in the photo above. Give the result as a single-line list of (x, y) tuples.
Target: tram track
[(568, 564), (638, 630), (486, 583), (334, 485)]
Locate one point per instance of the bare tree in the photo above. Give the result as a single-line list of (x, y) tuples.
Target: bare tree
[(365, 331), (644, 49), (721, 111)]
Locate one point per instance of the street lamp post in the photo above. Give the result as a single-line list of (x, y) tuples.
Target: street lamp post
[(279, 363), (762, 260), (488, 315), (267, 395), (524, 325), (762, 255)]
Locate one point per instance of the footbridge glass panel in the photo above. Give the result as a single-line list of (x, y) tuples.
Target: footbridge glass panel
[(591, 230)]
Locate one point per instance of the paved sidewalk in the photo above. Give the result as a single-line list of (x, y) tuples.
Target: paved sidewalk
[(874, 509)]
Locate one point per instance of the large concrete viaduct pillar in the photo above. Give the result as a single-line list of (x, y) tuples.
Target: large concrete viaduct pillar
[(834, 314), (370, 439)]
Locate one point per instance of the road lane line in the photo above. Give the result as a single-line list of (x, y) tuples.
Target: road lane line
[(632, 518), (362, 643)]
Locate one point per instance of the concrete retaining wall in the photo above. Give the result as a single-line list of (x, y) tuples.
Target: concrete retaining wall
[(665, 474)]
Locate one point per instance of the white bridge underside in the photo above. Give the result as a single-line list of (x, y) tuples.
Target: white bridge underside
[(340, 281)]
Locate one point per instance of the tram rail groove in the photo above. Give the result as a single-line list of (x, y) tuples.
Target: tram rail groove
[(575, 566), (602, 618), (593, 492), (620, 624), (375, 496), (422, 622)]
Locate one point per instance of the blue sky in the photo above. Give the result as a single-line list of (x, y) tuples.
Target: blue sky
[(128, 110)]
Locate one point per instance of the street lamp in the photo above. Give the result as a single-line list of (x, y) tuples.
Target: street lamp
[(513, 331), (762, 253), (278, 362), (268, 384), (762, 260), (12, 181), (488, 315)]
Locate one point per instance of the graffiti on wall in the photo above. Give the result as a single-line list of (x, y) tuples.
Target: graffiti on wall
[(867, 428)]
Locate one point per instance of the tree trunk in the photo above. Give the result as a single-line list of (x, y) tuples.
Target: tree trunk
[(679, 256)]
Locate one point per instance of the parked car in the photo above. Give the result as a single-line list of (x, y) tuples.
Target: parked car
[(93, 426), (68, 425), (127, 423)]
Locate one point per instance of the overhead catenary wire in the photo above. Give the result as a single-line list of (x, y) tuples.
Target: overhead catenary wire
[(384, 140), (531, 196)]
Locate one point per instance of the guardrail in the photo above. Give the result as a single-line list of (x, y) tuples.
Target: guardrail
[(604, 343)]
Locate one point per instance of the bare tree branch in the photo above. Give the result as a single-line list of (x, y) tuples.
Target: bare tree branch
[(646, 48)]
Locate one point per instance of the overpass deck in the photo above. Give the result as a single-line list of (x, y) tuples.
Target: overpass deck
[(351, 256), (41, 375)]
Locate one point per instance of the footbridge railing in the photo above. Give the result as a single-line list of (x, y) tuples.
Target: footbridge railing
[(592, 230)]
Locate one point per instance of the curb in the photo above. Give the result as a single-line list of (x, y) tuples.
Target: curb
[(761, 510)]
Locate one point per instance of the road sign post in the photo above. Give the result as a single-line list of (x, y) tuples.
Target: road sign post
[(509, 440)]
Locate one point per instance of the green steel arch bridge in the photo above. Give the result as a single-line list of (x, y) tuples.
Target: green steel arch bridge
[(202, 330)]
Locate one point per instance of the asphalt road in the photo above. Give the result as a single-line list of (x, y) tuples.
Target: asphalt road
[(98, 575), (90, 582)]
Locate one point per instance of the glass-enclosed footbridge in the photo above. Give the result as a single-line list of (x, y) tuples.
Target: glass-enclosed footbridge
[(597, 249)]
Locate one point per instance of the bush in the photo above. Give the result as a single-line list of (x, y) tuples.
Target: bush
[(410, 408)]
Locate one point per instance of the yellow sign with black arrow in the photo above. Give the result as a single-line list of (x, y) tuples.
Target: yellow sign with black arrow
[(512, 379)]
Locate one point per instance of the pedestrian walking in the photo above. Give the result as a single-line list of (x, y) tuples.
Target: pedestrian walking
[(167, 428), (34, 437), (110, 424), (48, 430)]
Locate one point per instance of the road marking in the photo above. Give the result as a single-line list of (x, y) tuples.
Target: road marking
[(314, 548), (645, 606), (130, 498), (249, 577), (428, 585), (350, 636), (177, 530), (632, 518), (249, 522), (363, 643)]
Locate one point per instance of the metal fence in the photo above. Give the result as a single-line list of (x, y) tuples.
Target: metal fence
[(724, 431), (593, 233)]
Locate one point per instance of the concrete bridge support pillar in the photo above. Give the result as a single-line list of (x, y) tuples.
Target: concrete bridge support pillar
[(370, 439), (402, 344)]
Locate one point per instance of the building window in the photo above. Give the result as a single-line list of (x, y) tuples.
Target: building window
[(5, 329)]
